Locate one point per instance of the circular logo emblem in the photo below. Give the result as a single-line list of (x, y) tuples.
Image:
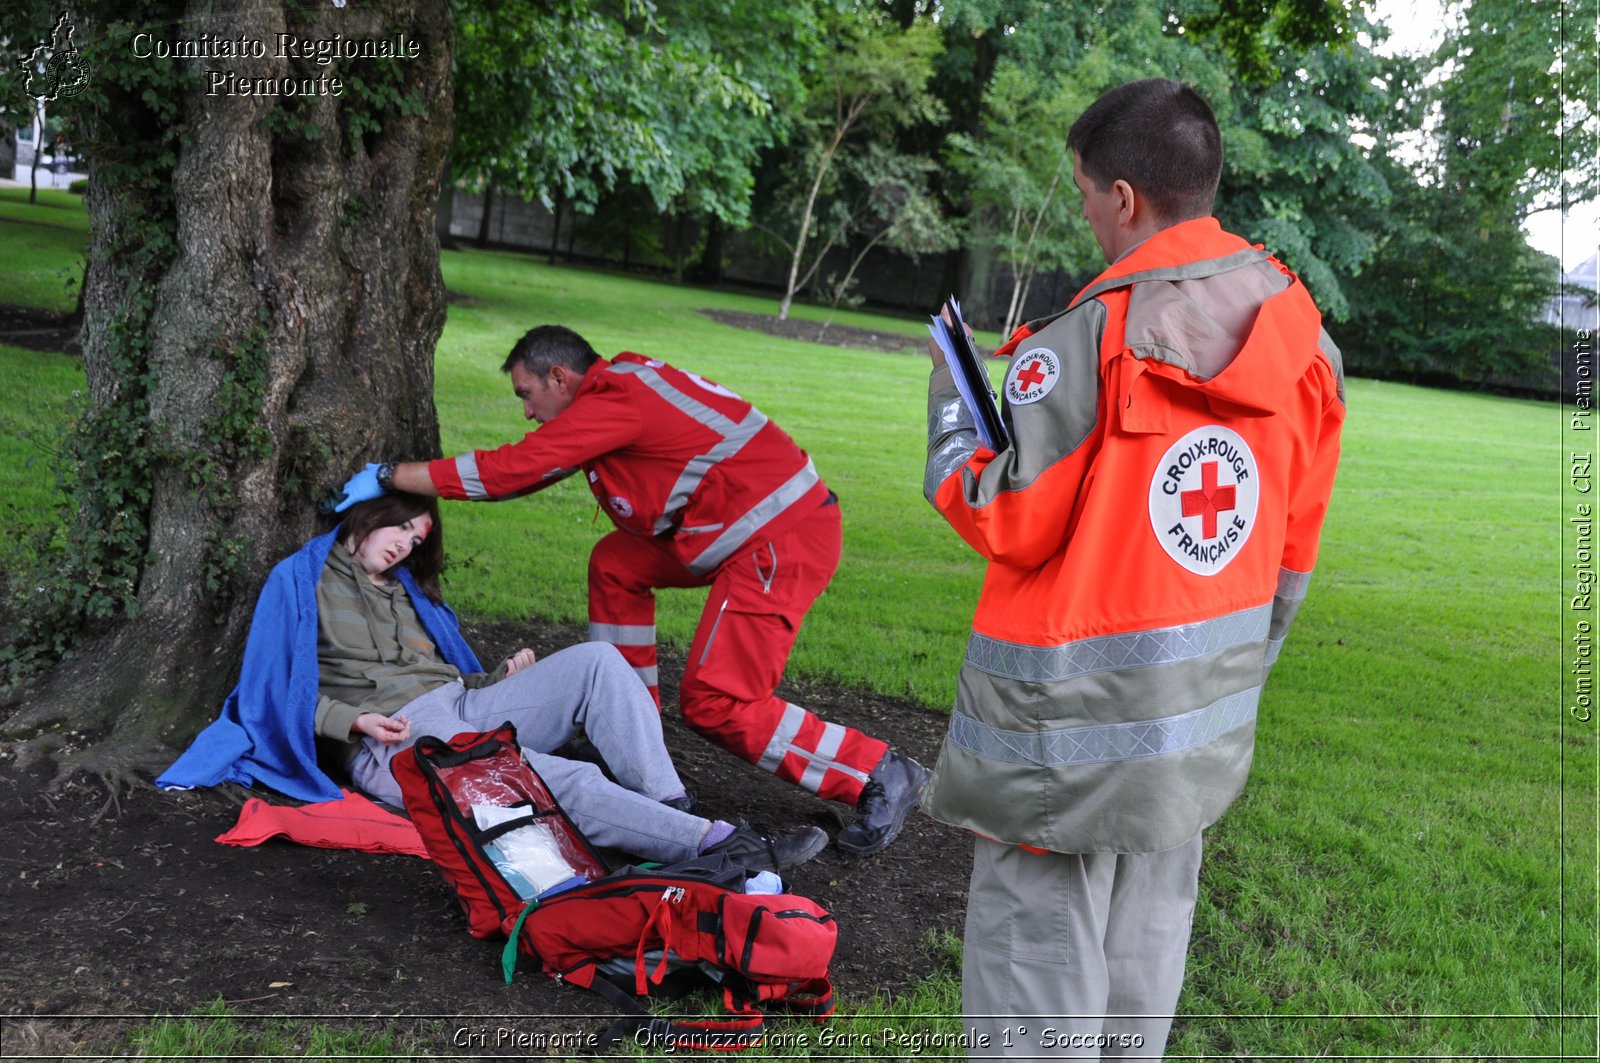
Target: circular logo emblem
[(1203, 497), (621, 506), (1031, 376)]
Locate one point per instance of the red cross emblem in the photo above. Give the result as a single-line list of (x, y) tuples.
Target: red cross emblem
[(1209, 500), (1031, 375)]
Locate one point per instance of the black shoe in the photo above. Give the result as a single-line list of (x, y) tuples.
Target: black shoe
[(758, 851), (889, 796), (689, 802)]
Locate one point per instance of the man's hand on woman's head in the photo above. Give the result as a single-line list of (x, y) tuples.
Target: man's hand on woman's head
[(386, 729), (519, 660), (362, 487)]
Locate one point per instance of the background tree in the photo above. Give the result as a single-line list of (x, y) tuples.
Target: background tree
[(41, 44), (1294, 178), (566, 104), (1003, 136), (1021, 205), (893, 209), (1454, 290), (872, 82), (261, 306)]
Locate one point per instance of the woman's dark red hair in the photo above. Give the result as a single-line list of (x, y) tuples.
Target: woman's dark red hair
[(390, 511)]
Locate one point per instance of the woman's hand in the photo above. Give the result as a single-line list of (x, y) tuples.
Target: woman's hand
[(385, 729), (519, 660)]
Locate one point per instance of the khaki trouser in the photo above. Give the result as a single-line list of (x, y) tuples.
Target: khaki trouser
[(1076, 955)]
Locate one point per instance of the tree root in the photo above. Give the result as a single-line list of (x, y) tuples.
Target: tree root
[(38, 750), (117, 771)]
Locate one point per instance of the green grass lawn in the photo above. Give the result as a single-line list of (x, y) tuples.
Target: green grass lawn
[(1406, 874), (44, 245)]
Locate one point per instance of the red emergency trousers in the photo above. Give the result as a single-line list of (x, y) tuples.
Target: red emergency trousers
[(704, 490), (758, 600)]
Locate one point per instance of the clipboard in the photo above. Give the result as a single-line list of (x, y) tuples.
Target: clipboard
[(972, 379)]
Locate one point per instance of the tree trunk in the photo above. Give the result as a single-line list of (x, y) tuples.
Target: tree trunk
[(555, 229), (844, 285), (444, 212), (261, 312), (709, 269), (483, 219), (38, 152), (791, 286)]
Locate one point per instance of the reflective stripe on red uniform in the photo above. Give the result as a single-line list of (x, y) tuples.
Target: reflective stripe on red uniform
[(752, 616), (667, 453)]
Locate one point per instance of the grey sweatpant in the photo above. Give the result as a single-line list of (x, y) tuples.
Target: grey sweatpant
[(1076, 955), (586, 689)]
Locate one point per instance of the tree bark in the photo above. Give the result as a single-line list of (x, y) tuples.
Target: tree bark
[(285, 336)]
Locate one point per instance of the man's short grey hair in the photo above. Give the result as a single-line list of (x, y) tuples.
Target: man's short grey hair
[(545, 347)]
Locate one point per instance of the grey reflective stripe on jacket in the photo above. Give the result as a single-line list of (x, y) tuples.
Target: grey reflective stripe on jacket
[(1292, 588), (1105, 653), (1108, 742), (757, 517), (1104, 743), (735, 435), (471, 482), (1131, 742), (952, 440)]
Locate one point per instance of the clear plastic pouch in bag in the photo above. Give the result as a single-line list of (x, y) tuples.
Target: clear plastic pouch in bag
[(529, 857)]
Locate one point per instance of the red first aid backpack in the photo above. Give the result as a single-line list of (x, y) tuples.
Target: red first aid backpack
[(441, 782), (632, 932), (628, 933)]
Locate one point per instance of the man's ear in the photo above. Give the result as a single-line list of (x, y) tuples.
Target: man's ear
[(1126, 202)]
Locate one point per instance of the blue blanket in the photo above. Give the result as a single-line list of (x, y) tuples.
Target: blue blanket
[(266, 733)]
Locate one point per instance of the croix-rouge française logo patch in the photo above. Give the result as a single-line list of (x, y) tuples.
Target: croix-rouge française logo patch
[(1031, 376), (1203, 496)]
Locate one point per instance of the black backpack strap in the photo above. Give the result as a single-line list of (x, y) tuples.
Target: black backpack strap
[(639, 1025)]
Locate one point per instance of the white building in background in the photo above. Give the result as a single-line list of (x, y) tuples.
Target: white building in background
[(1576, 307), (58, 168)]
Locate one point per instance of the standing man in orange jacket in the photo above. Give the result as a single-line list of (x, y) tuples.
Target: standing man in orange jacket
[(704, 490), (1150, 533)]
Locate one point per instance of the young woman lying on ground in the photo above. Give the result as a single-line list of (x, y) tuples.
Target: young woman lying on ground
[(352, 649)]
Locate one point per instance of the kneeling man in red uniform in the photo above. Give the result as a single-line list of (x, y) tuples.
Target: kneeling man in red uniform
[(704, 490)]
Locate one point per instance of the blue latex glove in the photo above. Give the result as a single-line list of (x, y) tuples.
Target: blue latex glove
[(362, 487)]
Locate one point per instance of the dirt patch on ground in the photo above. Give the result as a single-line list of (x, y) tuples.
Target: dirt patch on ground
[(141, 912), (813, 332), (38, 330)]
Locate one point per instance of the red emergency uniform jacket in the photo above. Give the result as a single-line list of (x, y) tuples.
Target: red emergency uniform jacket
[(1150, 531), (667, 453)]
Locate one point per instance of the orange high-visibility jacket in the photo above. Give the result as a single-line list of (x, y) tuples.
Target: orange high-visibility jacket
[(1150, 530)]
